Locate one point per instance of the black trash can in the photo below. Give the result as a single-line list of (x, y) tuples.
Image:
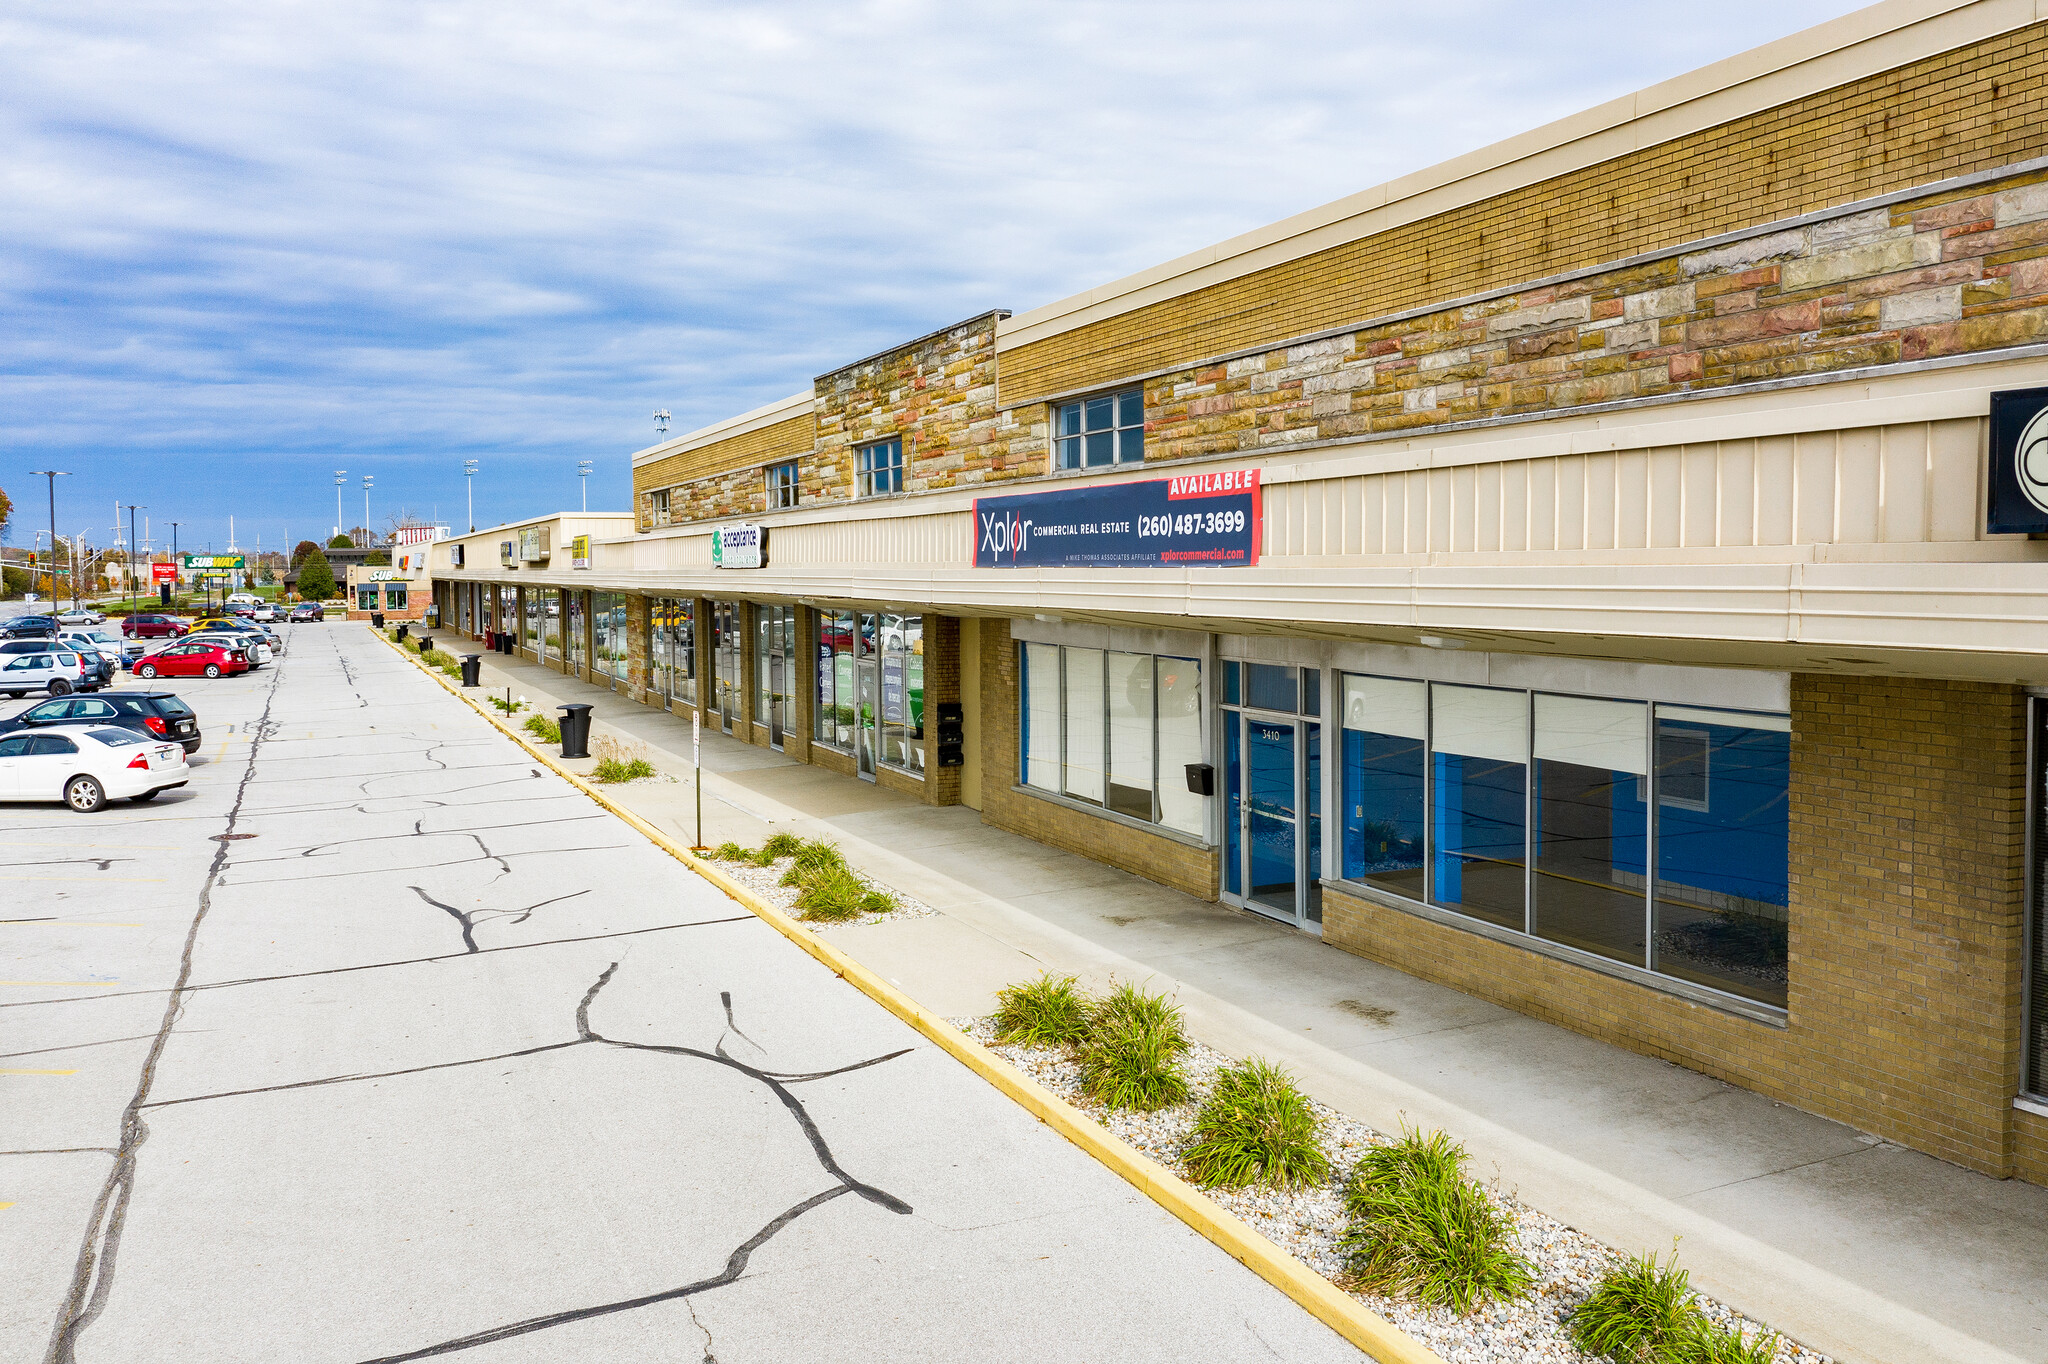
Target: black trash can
[(377, 619), (575, 731), (508, 644), (425, 644), (471, 665), (404, 629)]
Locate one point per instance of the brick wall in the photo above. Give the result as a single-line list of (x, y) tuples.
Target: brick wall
[(1128, 848), (1906, 840), (1975, 108), (771, 444), (937, 394)]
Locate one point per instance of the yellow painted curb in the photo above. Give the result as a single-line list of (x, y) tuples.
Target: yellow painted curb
[(1339, 1311)]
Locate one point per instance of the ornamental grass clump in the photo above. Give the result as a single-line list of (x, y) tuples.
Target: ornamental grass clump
[(730, 851), (778, 846), (1711, 1344), (544, 729), (811, 858), (833, 895), (1420, 1229), (1257, 1128), (1051, 1011), (1643, 1312), (1132, 1057)]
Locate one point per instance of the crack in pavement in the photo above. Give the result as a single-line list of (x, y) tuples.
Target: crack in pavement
[(499, 858), (92, 1275), (469, 919), (736, 1261), (386, 965)]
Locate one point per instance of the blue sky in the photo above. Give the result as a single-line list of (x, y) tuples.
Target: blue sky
[(243, 245)]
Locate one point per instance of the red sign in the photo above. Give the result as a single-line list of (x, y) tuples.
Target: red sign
[(163, 573)]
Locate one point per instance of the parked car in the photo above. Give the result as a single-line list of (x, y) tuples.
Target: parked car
[(308, 610), (204, 659), (30, 627), (96, 668), (55, 671), (255, 646), (234, 625), (154, 714), (104, 638), (29, 646), (86, 765), (264, 613), (152, 626), (80, 615)]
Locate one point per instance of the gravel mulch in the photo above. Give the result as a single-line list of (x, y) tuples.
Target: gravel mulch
[(766, 883), (1307, 1223)]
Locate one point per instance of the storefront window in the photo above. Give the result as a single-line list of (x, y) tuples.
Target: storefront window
[(774, 648), (1114, 729), (394, 596), (575, 640), (551, 622), (530, 632), (1386, 732), (672, 647), (833, 717), (902, 661), (1722, 784), (1715, 915), (608, 634), (2035, 1043), (1592, 827), (366, 597)]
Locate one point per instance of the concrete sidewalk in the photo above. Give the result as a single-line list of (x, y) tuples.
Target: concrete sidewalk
[(1849, 1244)]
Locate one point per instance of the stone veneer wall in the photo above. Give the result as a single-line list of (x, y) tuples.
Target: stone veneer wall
[(1907, 827), (1127, 847)]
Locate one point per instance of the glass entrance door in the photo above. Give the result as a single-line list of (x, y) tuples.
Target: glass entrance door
[(725, 661), (867, 671), (1272, 816)]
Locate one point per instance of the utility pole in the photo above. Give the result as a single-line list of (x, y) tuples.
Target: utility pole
[(176, 563), (132, 509), (52, 475)]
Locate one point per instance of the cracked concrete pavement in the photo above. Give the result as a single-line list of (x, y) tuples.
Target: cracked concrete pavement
[(378, 1042)]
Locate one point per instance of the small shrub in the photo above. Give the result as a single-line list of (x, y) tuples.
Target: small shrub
[(511, 708), (544, 729), (1131, 1059), (1711, 1344), (730, 851), (778, 846), (879, 902), (1421, 1229), (1048, 1012), (618, 761), (833, 895), (1640, 1310), (810, 859), (1257, 1128)]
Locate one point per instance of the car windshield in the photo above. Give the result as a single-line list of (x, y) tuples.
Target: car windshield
[(173, 707), (118, 738)]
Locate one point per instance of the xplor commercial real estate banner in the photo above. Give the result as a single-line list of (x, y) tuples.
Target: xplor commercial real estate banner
[(1194, 520)]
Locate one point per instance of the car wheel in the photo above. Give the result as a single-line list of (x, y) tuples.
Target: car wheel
[(59, 687), (213, 670), (146, 795), (146, 670), (84, 794)]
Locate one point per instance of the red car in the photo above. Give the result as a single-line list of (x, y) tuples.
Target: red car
[(202, 659), (152, 627)]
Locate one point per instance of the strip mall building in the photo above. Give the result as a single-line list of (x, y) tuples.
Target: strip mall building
[(1588, 573)]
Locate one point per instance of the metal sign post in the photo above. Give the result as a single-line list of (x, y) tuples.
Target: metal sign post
[(697, 767)]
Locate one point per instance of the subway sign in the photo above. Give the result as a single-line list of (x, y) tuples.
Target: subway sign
[(215, 561), (1209, 520)]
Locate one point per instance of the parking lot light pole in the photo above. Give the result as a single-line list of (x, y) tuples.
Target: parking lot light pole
[(132, 509), (53, 475)]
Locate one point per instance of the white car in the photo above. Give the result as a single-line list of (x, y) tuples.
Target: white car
[(85, 766), (54, 671), (80, 615), (258, 651), (265, 612)]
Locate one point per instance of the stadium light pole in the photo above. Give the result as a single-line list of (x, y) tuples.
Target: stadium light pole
[(340, 477), (369, 481), (469, 482), (53, 475), (583, 475)]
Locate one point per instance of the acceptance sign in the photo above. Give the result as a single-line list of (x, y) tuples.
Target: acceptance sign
[(1204, 520)]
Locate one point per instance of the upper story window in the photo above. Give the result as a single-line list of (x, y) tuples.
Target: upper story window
[(782, 486), (654, 511), (1094, 432), (881, 468)]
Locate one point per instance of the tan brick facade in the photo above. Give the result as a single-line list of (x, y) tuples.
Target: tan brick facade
[(1976, 108), (1906, 840)]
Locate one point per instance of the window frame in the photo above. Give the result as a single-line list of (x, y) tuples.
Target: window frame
[(1058, 754), (1121, 455), (782, 485), (868, 468)]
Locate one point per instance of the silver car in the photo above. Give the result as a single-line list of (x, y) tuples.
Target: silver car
[(259, 652)]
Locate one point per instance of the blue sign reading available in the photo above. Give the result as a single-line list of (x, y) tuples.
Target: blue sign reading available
[(1201, 520)]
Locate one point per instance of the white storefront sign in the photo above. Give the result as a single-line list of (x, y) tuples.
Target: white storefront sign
[(744, 545)]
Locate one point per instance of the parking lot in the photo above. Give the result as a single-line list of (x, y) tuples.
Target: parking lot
[(379, 1042)]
